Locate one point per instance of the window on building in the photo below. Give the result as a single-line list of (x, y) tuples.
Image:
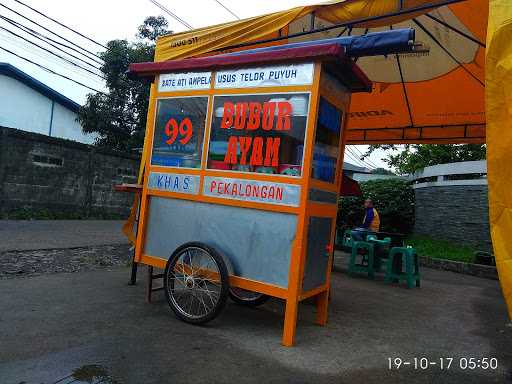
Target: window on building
[(47, 160)]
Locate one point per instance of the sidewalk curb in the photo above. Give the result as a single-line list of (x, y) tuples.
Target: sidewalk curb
[(479, 270), (62, 248)]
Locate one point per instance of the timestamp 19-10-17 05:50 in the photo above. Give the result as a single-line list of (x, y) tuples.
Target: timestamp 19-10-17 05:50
[(443, 363)]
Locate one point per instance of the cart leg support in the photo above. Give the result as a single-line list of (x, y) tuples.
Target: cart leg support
[(133, 276), (149, 284), (322, 302), (290, 322)]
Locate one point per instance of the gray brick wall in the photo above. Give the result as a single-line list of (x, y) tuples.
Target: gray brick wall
[(456, 213), (62, 177)]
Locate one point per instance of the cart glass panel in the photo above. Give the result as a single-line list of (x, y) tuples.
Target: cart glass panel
[(179, 132), (327, 140), (261, 133)]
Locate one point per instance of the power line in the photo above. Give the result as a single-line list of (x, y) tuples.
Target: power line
[(53, 45), (48, 30), (356, 158), (173, 15), (364, 163), (45, 57), (50, 70), (44, 37), (357, 151), (367, 158), (61, 24), (51, 52), (227, 9), (353, 158), (359, 155)]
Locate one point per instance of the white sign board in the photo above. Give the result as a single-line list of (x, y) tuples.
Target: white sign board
[(170, 82), (252, 190), (275, 76), (174, 182)]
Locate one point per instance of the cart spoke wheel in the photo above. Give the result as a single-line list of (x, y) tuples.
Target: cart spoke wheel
[(196, 283), (248, 298)]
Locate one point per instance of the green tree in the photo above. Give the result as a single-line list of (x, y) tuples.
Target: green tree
[(393, 199), (118, 118), (413, 157), (382, 171)]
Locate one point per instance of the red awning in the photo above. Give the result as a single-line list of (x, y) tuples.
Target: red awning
[(332, 55), (349, 187)]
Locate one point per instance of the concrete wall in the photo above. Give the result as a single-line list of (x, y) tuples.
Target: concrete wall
[(43, 174), (24, 108), (454, 205)]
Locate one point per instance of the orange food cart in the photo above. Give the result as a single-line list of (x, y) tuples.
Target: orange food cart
[(244, 155)]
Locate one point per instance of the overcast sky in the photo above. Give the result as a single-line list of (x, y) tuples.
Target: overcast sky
[(107, 20)]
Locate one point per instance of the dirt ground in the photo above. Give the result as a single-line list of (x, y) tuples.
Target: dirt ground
[(20, 235)]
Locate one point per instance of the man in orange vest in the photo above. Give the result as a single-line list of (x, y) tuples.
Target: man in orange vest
[(371, 222)]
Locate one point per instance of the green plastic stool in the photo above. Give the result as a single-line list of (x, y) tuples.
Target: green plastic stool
[(381, 250), (373, 238), (398, 258), (346, 241), (366, 258)]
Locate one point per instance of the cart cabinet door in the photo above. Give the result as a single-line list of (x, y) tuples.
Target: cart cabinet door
[(256, 243), (317, 257)]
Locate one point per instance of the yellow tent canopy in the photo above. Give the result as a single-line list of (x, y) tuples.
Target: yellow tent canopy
[(435, 95), (370, 13), (499, 138)]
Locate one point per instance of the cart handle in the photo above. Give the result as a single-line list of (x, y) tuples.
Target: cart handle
[(133, 188)]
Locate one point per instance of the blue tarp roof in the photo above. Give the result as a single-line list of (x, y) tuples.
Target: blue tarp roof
[(371, 44)]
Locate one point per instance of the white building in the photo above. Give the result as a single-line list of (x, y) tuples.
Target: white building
[(363, 177), (29, 105), (352, 170)]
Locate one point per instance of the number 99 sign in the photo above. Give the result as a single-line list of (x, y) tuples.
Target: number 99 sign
[(184, 129)]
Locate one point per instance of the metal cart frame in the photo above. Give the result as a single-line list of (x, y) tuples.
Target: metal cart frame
[(334, 77)]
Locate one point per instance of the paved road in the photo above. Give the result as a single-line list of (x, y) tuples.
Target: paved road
[(51, 234), (51, 325)]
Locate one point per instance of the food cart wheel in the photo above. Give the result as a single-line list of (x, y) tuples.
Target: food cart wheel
[(248, 298), (196, 283)]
